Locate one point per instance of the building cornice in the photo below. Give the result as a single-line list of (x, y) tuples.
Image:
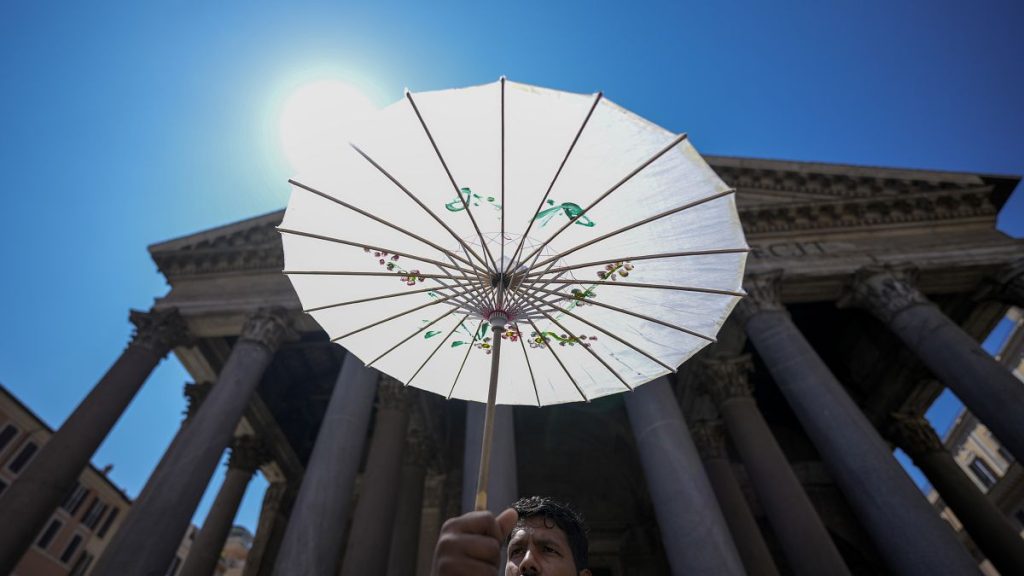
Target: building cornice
[(773, 197)]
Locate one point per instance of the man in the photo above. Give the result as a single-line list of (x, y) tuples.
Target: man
[(545, 538)]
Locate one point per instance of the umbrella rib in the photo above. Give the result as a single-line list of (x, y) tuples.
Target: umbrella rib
[(675, 141), (473, 294), (478, 294), (647, 220), (393, 316), (605, 332), (528, 365), (502, 267), (545, 344), (469, 349), (439, 344), (645, 257), (393, 274), (437, 263), (634, 314), (458, 192), (410, 336), (585, 346), (522, 239), (420, 203), (362, 212), (374, 298), (640, 285)]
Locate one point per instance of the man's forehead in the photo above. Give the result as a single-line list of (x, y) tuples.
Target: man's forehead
[(539, 528)]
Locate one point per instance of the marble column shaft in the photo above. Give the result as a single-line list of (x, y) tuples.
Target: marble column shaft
[(988, 389), (246, 455), (152, 530), (372, 522), (502, 483), (910, 535), (989, 528), (696, 538), (405, 535), (709, 438), (316, 530), (31, 499), (278, 500), (796, 523)]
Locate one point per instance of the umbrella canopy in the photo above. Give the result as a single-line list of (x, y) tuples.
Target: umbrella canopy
[(604, 244)]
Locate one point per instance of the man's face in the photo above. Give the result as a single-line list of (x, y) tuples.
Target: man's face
[(539, 548)]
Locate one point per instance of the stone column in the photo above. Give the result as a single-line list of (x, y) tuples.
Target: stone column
[(502, 483), (372, 522), (709, 437), (247, 454), (30, 500), (696, 538), (803, 536), (987, 388), (905, 528), (992, 531), (277, 505), (316, 531), (152, 530), (405, 536)]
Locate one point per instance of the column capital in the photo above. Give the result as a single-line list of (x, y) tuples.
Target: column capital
[(709, 437), (248, 453), (727, 378), (270, 327), (914, 435), (195, 393), (885, 290), (762, 295), (1006, 285), (391, 394), (159, 331)]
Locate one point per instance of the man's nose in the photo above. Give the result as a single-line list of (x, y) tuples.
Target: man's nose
[(530, 566)]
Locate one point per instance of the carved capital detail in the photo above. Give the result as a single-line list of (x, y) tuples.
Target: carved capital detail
[(709, 437), (270, 327), (1007, 285), (248, 453), (195, 393), (392, 394), (914, 435), (727, 378), (762, 296), (885, 291), (159, 331)]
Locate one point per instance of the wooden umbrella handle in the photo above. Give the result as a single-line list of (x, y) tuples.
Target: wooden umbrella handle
[(485, 444)]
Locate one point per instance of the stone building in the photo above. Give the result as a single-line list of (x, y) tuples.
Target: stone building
[(79, 529), (769, 453), (983, 459)]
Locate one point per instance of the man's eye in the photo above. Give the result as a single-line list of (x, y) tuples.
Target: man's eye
[(551, 550), (515, 552)]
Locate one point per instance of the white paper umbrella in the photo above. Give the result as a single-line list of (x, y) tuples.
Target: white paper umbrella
[(512, 244)]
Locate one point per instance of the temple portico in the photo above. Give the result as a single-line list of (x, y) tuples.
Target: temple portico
[(769, 453)]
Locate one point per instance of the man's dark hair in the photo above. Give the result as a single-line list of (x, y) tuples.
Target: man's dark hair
[(561, 515)]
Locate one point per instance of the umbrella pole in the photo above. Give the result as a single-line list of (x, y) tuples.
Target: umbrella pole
[(485, 444)]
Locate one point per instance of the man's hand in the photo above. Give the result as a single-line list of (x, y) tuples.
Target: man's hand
[(470, 545)]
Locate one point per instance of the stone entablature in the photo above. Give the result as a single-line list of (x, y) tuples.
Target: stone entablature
[(773, 197)]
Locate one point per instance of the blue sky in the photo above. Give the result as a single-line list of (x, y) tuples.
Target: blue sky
[(125, 124)]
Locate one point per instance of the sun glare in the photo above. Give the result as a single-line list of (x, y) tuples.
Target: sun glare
[(316, 121)]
